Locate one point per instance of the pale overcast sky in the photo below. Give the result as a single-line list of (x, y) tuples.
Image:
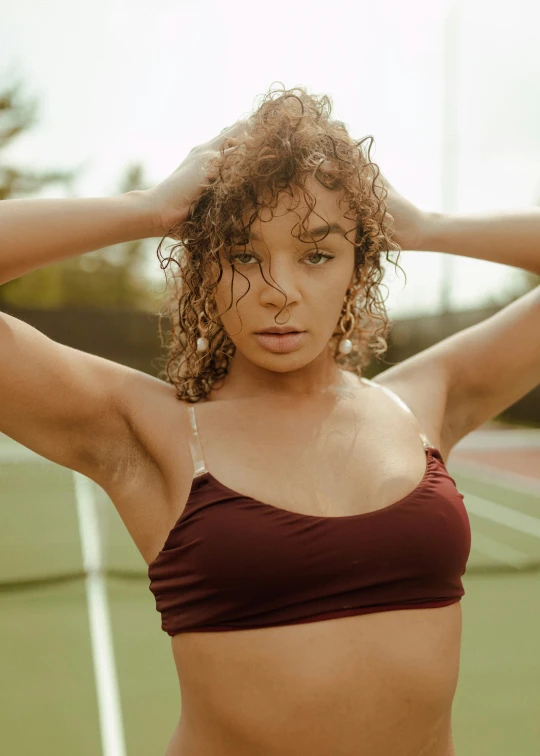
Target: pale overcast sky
[(126, 80)]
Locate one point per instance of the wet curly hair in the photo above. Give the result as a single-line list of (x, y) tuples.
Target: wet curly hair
[(289, 137)]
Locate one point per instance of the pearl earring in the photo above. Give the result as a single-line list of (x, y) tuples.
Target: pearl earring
[(345, 346), (346, 324), (202, 344)]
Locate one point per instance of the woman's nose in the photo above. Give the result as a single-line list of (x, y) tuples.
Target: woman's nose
[(280, 280)]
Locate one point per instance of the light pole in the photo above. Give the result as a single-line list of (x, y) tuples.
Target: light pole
[(450, 147)]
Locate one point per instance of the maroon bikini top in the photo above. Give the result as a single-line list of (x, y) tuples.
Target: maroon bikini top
[(232, 562)]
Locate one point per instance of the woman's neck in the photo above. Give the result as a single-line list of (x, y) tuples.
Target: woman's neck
[(245, 379)]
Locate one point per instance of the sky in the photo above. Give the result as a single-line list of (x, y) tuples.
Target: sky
[(121, 81)]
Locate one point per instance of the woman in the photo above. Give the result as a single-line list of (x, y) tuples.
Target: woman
[(304, 541)]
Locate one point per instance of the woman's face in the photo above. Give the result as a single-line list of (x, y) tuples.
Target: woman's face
[(313, 280)]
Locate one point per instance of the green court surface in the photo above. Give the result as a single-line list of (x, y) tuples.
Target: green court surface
[(87, 670)]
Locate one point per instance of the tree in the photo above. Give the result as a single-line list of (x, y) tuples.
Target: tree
[(17, 116), (111, 278)]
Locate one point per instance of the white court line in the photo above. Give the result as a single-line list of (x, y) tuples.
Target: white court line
[(499, 551), (509, 438), (485, 473), (108, 695), (490, 510)]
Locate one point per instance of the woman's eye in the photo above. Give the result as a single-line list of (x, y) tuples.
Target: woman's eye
[(321, 255), (233, 258)]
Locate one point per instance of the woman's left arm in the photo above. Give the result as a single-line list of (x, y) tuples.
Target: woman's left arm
[(487, 367), (509, 237)]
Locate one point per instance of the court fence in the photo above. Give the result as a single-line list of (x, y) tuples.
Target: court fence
[(132, 338)]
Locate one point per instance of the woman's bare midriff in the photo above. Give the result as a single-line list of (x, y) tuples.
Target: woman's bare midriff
[(369, 685)]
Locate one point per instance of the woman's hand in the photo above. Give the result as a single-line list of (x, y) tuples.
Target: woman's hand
[(410, 223), (170, 200)]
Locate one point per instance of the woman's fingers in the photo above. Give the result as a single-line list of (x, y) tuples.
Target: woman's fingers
[(229, 132), (172, 198)]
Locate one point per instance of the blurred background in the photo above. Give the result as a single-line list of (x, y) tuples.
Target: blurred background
[(106, 97)]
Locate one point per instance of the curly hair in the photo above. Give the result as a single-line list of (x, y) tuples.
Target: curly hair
[(288, 138)]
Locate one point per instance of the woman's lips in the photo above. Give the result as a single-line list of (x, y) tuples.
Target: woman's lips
[(281, 342)]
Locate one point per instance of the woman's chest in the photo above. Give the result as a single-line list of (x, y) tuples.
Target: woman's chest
[(344, 462)]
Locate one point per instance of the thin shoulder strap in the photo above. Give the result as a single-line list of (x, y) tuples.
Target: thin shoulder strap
[(195, 444), (425, 440)]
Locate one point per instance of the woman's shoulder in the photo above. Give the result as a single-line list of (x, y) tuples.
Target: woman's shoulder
[(422, 390)]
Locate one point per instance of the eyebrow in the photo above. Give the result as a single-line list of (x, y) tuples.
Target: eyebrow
[(332, 228)]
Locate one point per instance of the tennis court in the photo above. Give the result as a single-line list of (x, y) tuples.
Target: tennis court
[(86, 668)]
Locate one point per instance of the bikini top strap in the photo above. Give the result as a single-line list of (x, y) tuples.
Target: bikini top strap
[(195, 444), (425, 440)]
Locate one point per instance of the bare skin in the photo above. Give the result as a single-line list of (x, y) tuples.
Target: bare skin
[(375, 684), (380, 684)]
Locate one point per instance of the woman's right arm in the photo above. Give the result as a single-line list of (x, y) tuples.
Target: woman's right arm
[(62, 403), (38, 232), (71, 407)]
